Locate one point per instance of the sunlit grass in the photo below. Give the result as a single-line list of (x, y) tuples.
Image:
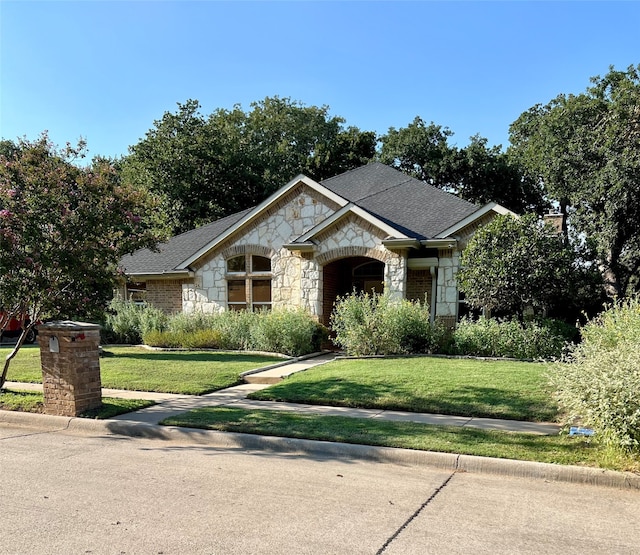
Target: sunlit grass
[(559, 449), (464, 387), (30, 401), (139, 369)]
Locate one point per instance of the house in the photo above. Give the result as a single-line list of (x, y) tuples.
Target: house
[(372, 228)]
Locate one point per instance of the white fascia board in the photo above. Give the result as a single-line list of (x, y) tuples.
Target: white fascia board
[(325, 224), (275, 197), (491, 206)]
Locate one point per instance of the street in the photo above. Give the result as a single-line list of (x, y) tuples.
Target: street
[(73, 494)]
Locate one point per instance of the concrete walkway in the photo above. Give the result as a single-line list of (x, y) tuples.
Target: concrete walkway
[(171, 404)]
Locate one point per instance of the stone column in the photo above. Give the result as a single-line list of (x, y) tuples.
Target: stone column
[(69, 354)]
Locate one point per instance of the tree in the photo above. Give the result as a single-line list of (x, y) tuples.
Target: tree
[(63, 229), (512, 264), (485, 174), (477, 173), (422, 151), (206, 167), (585, 149)]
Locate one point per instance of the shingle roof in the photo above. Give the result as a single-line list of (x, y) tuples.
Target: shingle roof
[(412, 207), (408, 204), (178, 248)]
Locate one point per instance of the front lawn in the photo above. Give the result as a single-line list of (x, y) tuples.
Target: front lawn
[(464, 387), (559, 449), (139, 369), (30, 401)]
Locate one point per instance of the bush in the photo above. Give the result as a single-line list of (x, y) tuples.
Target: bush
[(235, 328), (488, 337), (199, 339), (292, 332), (373, 324), (599, 383), (127, 322)]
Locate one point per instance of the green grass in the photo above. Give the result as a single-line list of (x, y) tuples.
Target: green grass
[(139, 369), (560, 449), (30, 401), (464, 387)]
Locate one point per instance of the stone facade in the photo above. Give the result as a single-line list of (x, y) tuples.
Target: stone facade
[(447, 288), (297, 277), (297, 274)]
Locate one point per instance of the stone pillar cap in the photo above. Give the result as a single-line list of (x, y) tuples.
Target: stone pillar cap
[(69, 325)]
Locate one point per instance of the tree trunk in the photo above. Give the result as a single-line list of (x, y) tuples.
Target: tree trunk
[(13, 353)]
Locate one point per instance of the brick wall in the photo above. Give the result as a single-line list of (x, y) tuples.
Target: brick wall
[(70, 367), (165, 294), (419, 285)]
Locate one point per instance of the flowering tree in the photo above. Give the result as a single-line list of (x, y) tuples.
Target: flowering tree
[(63, 229)]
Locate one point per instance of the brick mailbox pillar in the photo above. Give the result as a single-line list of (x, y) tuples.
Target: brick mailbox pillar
[(69, 354)]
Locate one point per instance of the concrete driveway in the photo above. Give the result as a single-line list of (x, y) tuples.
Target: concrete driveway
[(81, 494)]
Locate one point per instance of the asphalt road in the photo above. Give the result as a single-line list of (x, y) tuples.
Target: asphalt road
[(71, 494)]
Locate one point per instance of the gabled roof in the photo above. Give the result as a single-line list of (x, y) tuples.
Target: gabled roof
[(402, 206), (413, 207)]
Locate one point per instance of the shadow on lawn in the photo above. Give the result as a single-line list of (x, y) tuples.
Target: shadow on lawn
[(188, 356), (471, 401)]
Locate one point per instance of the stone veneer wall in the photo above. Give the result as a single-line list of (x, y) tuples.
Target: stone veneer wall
[(297, 277), (447, 287), (357, 237), (293, 215)]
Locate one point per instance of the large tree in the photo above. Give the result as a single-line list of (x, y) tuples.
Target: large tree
[(512, 264), (63, 229), (206, 167), (585, 149), (477, 173)]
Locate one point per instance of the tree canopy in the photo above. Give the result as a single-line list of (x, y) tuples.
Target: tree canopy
[(585, 149), (512, 264), (476, 173), (63, 230), (206, 167)]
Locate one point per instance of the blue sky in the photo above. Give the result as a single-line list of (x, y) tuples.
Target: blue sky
[(106, 70)]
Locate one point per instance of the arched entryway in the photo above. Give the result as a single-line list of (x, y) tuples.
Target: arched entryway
[(342, 276)]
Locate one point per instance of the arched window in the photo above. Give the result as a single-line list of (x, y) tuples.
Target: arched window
[(249, 282)]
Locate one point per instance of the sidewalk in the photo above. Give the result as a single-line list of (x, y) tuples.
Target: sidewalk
[(171, 405)]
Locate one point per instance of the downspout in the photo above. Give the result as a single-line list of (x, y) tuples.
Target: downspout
[(434, 283)]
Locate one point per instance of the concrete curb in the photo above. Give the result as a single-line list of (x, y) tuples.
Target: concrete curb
[(249, 442)]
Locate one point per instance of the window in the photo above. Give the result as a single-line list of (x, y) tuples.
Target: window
[(249, 290), (136, 292)]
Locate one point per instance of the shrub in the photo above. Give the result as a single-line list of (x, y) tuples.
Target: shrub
[(292, 332), (374, 324), (235, 328), (127, 322), (493, 338), (198, 339), (599, 382)]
